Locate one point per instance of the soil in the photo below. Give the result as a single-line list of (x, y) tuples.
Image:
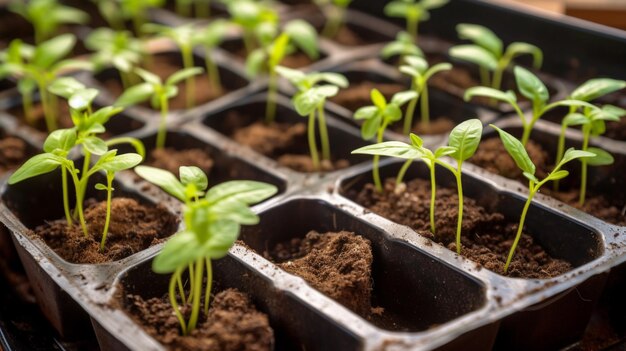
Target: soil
[(284, 142), (337, 264), (133, 227), (358, 95), (64, 120), (233, 324), (616, 130), (439, 125), (492, 156), (164, 66), (171, 159), (13, 151), (486, 237), (348, 37)]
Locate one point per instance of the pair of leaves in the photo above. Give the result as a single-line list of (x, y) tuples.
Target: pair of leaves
[(153, 87), (309, 96), (417, 67), (79, 97), (47, 15), (596, 88), (402, 46), (417, 9), (382, 113), (189, 176)]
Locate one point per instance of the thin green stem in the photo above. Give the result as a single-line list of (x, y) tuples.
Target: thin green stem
[(270, 108), (459, 225), (79, 204), (334, 22), (197, 295), (584, 166), (27, 102), (521, 225), (181, 290), (484, 76), (203, 9), (313, 142), (410, 111), (412, 27), (560, 151), (214, 73), (125, 79), (162, 133), (172, 293), (433, 194), (107, 219), (192, 282), (209, 283), (66, 201), (375, 171), (84, 179), (248, 41), (323, 132), (425, 105), (51, 123), (402, 172), (497, 75), (190, 82)]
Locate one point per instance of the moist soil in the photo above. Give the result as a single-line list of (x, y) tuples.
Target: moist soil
[(63, 116), (492, 156), (486, 237), (233, 323), (171, 159), (337, 264), (13, 152), (616, 130), (164, 66), (133, 228), (284, 142), (358, 95), (438, 125)]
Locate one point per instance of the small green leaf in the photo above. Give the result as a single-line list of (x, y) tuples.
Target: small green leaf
[(370, 127), (292, 75), (335, 78), (575, 119), (367, 112), (245, 191), (558, 175), (304, 36), (517, 151), (444, 151), (53, 50), (530, 177), (508, 97), (148, 77), (136, 94), (474, 54), (392, 113), (433, 4), (256, 63), (392, 149), (396, 9), (481, 36), (440, 67), (378, 99), (163, 179), (35, 166), (595, 88), (122, 162), (95, 145), (101, 186), (416, 140), (182, 75), (572, 154), (62, 139), (530, 86), (180, 250), (403, 97), (465, 138), (194, 175), (83, 99), (65, 87), (517, 49), (601, 158)]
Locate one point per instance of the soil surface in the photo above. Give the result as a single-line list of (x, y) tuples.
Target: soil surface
[(439, 125), (39, 120), (616, 130), (171, 159), (133, 228), (358, 95), (233, 324), (486, 237), (348, 37), (492, 156), (13, 152), (337, 264), (284, 142)]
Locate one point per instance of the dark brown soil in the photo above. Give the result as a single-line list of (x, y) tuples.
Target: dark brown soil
[(358, 95), (286, 143), (439, 125), (348, 37), (64, 120), (492, 156), (486, 237), (616, 130), (134, 227), (171, 159), (13, 152), (337, 264), (233, 324)]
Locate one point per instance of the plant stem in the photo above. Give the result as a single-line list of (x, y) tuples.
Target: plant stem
[(334, 20), (248, 41), (51, 123), (323, 132), (213, 72), (583, 161), (521, 225), (375, 171), (402, 173), (27, 101), (270, 109), (209, 283), (160, 142), (79, 204), (124, 78), (172, 293), (107, 220), (190, 82), (203, 9), (181, 290), (459, 183), (433, 194), (484, 76), (410, 111), (560, 151), (192, 282), (197, 294), (412, 27), (66, 201), (497, 76), (425, 106), (138, 22), (312, 142)]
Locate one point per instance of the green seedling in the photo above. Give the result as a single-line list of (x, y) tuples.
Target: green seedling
[(533, 89), (111, 11), (377, 118), (403, 46), (209, 38), (14, 60), (411, 152), (310, 99), (417, 68), (39, 67), (414, 11), (47, 16), (335, 13), (297, 34), (158, 93), (257, 20), (212, 224), (136, 11), (117, 49), (487, 52), (518, 152)]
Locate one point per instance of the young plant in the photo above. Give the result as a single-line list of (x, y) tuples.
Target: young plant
[(335, 13), (13, 65), (212, 224), (47, 16), (158, 92), (377, 118), (209, 38), (533, 89), (414, 11), (310, 99), (487, 52), (518, 152), (403, 46), (136, 11), (297, 34), (257, 20), (111, 12), (411, 152), (117, 49), (417, 68)]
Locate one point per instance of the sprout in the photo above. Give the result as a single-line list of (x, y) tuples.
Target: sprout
[(487, 52), (47, 16), (414, 11), (258, 21), (136, 10), (403, 46), (209, 38), (335, 12)]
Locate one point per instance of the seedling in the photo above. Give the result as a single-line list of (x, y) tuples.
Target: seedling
[(518, 152), (209, 38), (118, 49), (158, 92), (377, 118), (136, 10), (257, 20), (411, 152), (533, 89), (297, 34), (335, 13), (417, 68), (47, 16), (13, 65), (414, 11), (42, 65), (487, 52), (112, 12), (310, 99), (403, 46), (212, 225)]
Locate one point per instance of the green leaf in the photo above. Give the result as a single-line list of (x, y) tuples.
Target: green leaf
[(35, 166), (136, 94), (444, 151), (304, 36), (419, 63), (518, 49), (572, 154), (392, 149), (307, 101), (181, 249), (440, 67), (335, 78), (396, 9), (367, 112), (575, 119), (392, 113), (148, 77), (256, 63), (433, 4), (481, 36), (62, 139), (602, 158), (558, 175), (213, 34), (234, 211), (53, 50), (401, 47), (474, 54), (370, 127), (245, 191), (595, 88), (378, 99), (465, 138), (101, 186), (416, 140), (292, 75), (508, 97), (83, 99), (65, 87), (163, 179), (95, 145), (182, 75), (530, 86), (517, 151), (194, 175), (530, 177), (224, 235), (403, 97), (122, 162)]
